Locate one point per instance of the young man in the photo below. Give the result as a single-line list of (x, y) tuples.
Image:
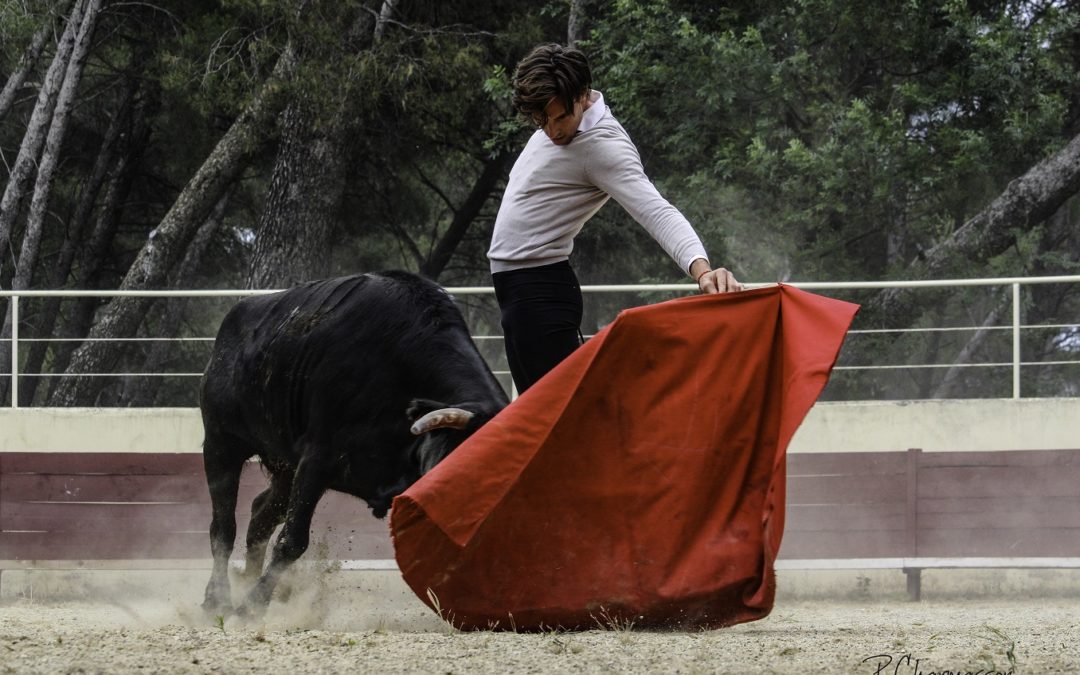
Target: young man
[(578, 158)]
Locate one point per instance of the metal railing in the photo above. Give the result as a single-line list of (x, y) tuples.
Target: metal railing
[(1016, 326)]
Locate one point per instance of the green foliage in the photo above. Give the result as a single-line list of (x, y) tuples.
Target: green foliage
[(862, 133), (824, 140), (18, 22), (220, 53), (808, 140)]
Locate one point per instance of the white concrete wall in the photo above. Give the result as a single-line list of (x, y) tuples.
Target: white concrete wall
[(957, 425), (935, 426), (100, 430)]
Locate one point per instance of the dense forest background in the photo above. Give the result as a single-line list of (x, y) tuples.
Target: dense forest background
[(260, 143)]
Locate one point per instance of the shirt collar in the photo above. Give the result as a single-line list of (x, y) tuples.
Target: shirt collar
[(595, 112)]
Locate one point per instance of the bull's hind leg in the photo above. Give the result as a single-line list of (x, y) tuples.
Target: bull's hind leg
[(310, 481), (223, 478), (267, 512)]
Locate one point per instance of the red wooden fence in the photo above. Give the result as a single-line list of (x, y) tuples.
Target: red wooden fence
[(1023, 503), (105, 506)]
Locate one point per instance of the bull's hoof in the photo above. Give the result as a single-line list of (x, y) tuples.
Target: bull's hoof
[(283, 592), (217, 598), (248, 613), (254, 605), (214, 609), (253, 569)]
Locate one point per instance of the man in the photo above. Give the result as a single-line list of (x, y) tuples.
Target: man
[(578, 158)]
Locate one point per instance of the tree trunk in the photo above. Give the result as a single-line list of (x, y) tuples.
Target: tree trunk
[(91, 261), (34, 137), (385, 15), (50, 310), (575, 23), (925, 379), (35, 221), (26, 64), (485, 184), (167, 243), (302, 204), (94, 253), (143, 391), (1026, 202), (1059, 253), (955, 373), (307, 184)]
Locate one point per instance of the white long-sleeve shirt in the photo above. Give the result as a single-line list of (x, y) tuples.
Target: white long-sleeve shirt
[(553, 189)]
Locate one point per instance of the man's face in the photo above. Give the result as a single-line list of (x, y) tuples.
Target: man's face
[(561, 124)]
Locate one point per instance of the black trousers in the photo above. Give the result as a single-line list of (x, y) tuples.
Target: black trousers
[(541, 318)]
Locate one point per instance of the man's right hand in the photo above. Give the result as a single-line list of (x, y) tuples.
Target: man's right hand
[(715, 281)]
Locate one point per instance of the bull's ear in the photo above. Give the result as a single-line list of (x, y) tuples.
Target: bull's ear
[(418, 407), (443, 418)]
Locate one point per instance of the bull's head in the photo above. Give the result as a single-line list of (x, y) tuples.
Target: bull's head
[(442, 428)]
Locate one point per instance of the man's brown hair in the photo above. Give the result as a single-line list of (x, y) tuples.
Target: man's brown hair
[(547, 72)]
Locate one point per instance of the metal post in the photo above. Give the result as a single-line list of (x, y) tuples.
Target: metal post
[(1016, 339), (14, 351)]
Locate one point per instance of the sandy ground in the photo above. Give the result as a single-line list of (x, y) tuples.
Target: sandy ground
[(355, 622)]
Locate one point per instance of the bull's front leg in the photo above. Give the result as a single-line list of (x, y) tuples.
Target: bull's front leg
[(267, 512), (310, 481)]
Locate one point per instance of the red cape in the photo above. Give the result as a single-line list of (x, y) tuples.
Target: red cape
[(640, 481)]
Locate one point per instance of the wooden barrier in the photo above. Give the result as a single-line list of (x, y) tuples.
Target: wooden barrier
[(910, 510), (919, 510), (104, 506)]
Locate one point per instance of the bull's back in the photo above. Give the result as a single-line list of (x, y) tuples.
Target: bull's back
[(364, 337)]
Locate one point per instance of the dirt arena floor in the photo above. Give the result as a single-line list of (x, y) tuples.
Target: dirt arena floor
[(361, 622)]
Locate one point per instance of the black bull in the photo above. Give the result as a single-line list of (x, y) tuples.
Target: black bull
[(358, 384)]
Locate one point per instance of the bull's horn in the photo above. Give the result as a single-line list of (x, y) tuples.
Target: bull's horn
[(453, 418)]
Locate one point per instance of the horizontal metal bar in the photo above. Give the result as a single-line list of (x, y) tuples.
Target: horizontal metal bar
[(841, 564), (947, 329), (807, 285), (927, 563), (595, 288), (370, 565), (602, 288), (507, 372), (867, 331), (105, 374), (179, 564), (163, 293), (389, 564), (904, 366), (941, 283), (958, 365), (132, 339)]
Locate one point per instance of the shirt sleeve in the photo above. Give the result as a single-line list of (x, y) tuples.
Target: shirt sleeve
[(614, 166)]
